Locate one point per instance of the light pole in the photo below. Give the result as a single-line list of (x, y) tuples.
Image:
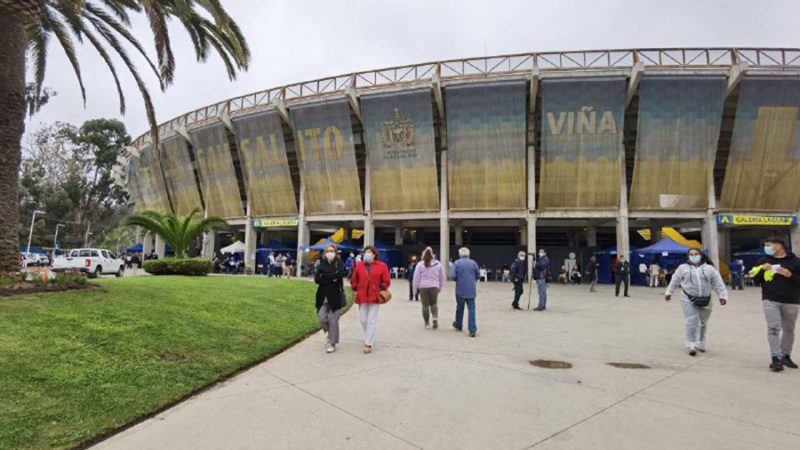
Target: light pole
[(30, 233), (55, 239)]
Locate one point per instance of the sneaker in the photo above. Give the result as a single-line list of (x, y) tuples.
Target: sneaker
[(701, 348), (331, 348), (435, 324), (516, 307), (777, 364), (472, 334), (456, 328), (538, 309), (427, 326), (692, 351), (787, 361)]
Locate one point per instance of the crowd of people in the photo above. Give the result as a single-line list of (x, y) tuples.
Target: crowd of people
[(778, 274)]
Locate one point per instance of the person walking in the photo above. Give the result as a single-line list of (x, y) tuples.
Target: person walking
[(778, 273), (591, 273), (697, 278), (349, 263), (428, 281), (331, 298), (410, 277), (519, 271), (465, 273), (540, 272), (622, 274), (644, 272), (370, 276)]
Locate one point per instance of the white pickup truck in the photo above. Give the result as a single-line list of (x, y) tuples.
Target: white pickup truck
[(92, 261)]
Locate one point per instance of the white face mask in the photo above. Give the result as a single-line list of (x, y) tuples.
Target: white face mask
[(521, 257), (330, 255), (541, 254), (368, 257)]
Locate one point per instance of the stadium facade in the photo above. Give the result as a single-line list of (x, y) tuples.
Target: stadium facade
[(582, 144)]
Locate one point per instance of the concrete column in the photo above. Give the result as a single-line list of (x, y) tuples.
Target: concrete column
[(591, 236), (725, 245), (161, 247), (369, 226), (250, 241), (137, 235), (623, 239), (209, 242), (348, 231), (710, 233), (303, 235), (530, 235), (523, 235), (147, 243), (794, 238), (444, 222), (398, 235), (459, 232)]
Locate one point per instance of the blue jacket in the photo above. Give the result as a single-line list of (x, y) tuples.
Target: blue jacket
[(541, 268), (519, 270), (465, 273)]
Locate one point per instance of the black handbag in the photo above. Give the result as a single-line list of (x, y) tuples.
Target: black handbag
[(699, 301)]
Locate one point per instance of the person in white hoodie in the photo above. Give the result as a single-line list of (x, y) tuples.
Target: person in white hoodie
[(697, 278), (428, 282)]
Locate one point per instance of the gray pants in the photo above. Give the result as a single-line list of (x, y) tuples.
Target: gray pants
[(696, 322), (429, 298), (780, 317), (329, 321)]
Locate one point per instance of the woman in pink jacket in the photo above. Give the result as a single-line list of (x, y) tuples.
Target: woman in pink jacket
[(428, 282)]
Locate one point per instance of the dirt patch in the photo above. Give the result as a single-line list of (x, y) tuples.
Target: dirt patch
[(30, 288), (547, 364), (623, 365), (173, 357)]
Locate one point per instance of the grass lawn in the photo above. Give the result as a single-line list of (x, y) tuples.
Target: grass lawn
[(76, 364)]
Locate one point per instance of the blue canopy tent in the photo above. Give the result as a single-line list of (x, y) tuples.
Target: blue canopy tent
[(389, 254), (750, 257), (347, 246), (321, 246), (138, 248), (263, 251), (604, 258), (666, 252)]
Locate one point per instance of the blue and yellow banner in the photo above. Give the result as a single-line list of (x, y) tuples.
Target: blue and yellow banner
[(325, 149), (215, 168), (179, 175), (487, 145), (763, 171), (679, 124), (755, 220), (582, 153), (265, 165), (401, 151)]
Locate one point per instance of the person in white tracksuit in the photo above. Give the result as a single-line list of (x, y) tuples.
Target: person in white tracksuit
[(697, 278)]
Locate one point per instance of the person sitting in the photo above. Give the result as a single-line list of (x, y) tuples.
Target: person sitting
[(575, 276), (484, 274)]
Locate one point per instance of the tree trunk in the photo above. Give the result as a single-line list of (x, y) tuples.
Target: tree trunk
[(12, 126)]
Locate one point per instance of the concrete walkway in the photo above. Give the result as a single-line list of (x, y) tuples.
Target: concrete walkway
[(441, 389)]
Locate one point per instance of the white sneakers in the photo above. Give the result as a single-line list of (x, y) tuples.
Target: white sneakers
[(692, 350), (331, 348)]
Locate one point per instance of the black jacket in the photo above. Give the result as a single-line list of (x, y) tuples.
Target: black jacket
[(519, 270), (781, 289), (623, 268), (329, 277), (591, 268)]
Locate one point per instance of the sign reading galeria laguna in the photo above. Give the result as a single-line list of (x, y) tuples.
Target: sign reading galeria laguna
[(275, 223), (741, 219)]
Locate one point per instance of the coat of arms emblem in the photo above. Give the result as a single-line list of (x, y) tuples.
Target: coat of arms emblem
[(398, 132)]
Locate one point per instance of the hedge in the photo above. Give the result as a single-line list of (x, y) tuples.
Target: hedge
[(175, 266)]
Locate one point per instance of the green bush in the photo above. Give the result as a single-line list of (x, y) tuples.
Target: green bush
[(176, 266)]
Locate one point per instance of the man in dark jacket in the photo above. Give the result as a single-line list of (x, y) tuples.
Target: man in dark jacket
[(519, 270), (541, 270), (591, 273), (412, 266), (622, 274), (778, 273)]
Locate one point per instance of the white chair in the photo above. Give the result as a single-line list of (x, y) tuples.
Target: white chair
[(395, 272), (484, 275)]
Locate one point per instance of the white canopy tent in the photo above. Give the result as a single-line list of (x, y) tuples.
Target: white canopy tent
[(236, 247)]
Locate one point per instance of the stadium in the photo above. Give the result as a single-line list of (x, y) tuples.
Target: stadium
[(578, 152)]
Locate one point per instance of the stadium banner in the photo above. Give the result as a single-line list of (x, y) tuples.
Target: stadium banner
[(486, 145), (275, 223), (582, 153), (151, 182), (132, 184), (179, 175), (264, 164), (324, 146), (401, 151), (730, 220), (679, 124), (215, 169), (763, 172)]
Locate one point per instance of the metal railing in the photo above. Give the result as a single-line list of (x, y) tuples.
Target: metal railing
[(465, 68)]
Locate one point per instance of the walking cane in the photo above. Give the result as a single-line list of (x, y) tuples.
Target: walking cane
[(530, 283)]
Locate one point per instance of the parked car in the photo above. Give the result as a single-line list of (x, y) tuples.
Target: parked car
[(34, 260), (91, 261)]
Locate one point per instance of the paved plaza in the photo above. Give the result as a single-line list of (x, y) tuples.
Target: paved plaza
[(444, 390)]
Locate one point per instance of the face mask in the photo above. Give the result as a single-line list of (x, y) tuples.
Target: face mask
[(368, 257), (541, 254), (521, 257), (330, 256), (769, 250), (695, 259)]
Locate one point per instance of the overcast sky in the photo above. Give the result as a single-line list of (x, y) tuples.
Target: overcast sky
[(296, 40)]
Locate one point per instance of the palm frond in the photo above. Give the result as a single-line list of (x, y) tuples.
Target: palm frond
[(158, 25), (107, 58)]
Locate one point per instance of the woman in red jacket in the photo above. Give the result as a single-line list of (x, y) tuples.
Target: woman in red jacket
[(369, 277)]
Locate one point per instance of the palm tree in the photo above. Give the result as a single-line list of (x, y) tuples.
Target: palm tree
[(176, 231), (30, 25)]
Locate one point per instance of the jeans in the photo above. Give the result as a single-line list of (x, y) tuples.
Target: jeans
[(780, 317), (622, 279), (517, 293), (411, 295), (541, 284), (696, 323), (460, 313)]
